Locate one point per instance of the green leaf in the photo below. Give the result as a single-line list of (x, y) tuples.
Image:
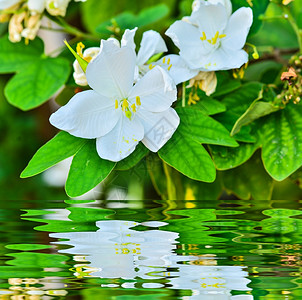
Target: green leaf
[(249, 180), (237, 103), (281, 136), (188, 157), (225, 84), (227, 158), (17, 56), (62, 146), (209, 106), (82, 62), (36, 83), (202, 128), (87, 170), (256, 110), (129, 162), (127, 19)]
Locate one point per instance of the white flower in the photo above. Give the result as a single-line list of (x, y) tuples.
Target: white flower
[(36, 6), (4, 4), (115, 112), (89, 55), (210, 39), (227, 3), (152, 43)]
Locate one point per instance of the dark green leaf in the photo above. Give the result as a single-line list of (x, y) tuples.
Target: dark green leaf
[(87, 170), (202, 128), (188, 157)]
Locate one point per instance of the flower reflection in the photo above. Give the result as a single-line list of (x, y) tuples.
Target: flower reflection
[(116, 250)]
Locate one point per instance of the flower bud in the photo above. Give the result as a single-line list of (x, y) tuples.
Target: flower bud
[(16, 27)]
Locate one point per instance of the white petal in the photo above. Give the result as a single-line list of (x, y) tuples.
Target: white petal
[(121, 140), (36, 5), (87, 115), (111, 73), (4, 4), (222, 59), (238, 29), (156, 90), (187, 38), (151, 44), (226, 3), (128, 38), (159, 127), (177, 68), (210, 19)]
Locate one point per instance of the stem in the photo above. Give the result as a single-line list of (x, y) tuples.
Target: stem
[(288, 15), (170, 186), (183, 102), (73, 30)]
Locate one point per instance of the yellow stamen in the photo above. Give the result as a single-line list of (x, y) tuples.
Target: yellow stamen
[(133, 107), (151, 66), (164, 60), (222, 36), (204, 37), (214, 39), (116, 104), (125, 105), (138, 101), (169, 67), (210, 41), (168, 62), (80, 47)]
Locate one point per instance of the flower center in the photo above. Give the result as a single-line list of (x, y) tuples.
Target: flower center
[(128, 108), (214, 39)]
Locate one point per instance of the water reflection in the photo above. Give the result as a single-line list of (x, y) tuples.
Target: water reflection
[(117, 250)]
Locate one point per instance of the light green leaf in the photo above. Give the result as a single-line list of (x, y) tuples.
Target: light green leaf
[(37, 82), (129, 20), (249, 180), (82, 62), (282, 142), (129, 162), (18, 56), (62, 146), (202, 128), (87, 170), (188, 157)]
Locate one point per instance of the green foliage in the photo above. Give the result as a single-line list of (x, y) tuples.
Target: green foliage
[(281, 136), (38, 77), (87, 170), (62, 146), (128, 20)]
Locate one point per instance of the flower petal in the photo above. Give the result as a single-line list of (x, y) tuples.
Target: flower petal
[(227, 3), (111, 73), (128, 38), (4, 4), (187, 38), (121, 140), (87, 115), (177, 68), (222, 59), (36, 5), (159, 127), (238, 29), (151, 44), (210, 19), (156, 90)]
